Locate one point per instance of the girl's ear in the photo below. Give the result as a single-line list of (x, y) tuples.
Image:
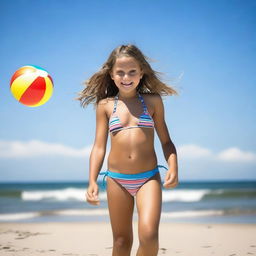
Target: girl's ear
[(111, 75), (141, 74)]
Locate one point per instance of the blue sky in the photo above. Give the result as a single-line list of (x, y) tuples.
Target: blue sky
[(206, 50)]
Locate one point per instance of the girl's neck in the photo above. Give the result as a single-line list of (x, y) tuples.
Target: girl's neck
[(125, 96)]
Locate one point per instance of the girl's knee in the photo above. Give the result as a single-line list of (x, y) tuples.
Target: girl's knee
[(148, 235), (123, 242)]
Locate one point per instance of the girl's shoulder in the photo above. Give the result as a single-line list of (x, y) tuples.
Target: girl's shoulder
[(106, 101), (151, 98), (107, 104)]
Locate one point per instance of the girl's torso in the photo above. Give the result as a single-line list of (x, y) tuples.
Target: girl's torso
[(132, 134)]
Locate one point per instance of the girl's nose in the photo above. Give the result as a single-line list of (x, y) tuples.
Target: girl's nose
[(126, 76)]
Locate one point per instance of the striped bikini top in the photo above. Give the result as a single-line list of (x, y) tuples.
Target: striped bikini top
[(145, 120)]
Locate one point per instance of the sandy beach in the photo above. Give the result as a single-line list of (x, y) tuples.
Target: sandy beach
[(82, 239)]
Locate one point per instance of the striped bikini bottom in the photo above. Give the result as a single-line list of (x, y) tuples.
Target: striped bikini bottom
[(131, 182)]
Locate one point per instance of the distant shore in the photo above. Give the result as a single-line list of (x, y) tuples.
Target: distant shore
[(81, 239)]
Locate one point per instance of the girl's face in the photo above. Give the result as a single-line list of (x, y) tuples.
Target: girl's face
[(126, 73)]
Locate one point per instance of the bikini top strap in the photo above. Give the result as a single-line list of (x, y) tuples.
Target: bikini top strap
[(143, 104), (115, 104)]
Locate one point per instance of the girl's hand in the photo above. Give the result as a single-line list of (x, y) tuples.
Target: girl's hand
[(92, 194), (171, 179)]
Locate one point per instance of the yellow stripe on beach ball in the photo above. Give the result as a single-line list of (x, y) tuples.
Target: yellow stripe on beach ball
[(48, 92), (21, 84)]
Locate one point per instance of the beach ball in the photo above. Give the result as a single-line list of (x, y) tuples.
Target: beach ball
[(31, 86)]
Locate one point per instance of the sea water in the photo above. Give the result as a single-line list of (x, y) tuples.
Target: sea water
[(198, 202)]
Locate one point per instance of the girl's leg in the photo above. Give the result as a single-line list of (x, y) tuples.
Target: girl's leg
[(149, 204), (120, 205)]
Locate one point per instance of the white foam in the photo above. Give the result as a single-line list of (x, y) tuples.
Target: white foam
[(59, 195), (187, 214), (18, 216), (184, 195), (83, 212), (75, 212), (102, 212)]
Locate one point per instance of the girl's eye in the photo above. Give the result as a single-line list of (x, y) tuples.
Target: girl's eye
[(131, 73)]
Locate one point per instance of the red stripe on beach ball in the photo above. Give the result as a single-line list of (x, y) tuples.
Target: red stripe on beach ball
[(34, 93)]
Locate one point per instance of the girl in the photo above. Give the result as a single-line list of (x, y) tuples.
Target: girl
[(126, 92)]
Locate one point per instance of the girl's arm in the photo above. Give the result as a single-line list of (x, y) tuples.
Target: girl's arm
[(169, 150), (98, 153), (100, 142)]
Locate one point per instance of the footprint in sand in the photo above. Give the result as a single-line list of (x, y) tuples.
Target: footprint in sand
[(12, 250), (163, 250), (5, 248), (40, 250), (22, 234), (71, 254), (26, 234)]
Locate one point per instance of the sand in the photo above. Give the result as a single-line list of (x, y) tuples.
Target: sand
[(82, 239)]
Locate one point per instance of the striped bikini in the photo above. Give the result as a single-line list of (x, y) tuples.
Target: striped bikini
[(131, 182), (145, 120)]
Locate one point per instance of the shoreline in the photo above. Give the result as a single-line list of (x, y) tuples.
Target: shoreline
[(82, 238)]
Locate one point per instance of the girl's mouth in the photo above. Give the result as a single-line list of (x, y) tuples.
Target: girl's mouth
[(127, 84)]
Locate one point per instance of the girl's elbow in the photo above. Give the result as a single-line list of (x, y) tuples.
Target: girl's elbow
[(168, 143), (169, 146), (98, 149)]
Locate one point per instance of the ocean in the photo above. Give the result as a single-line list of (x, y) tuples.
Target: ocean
[(197, 202)]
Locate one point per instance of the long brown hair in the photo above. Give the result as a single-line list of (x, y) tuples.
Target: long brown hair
[(101, 86)]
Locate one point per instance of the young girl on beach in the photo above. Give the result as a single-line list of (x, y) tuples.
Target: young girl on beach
[(127, 94)]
